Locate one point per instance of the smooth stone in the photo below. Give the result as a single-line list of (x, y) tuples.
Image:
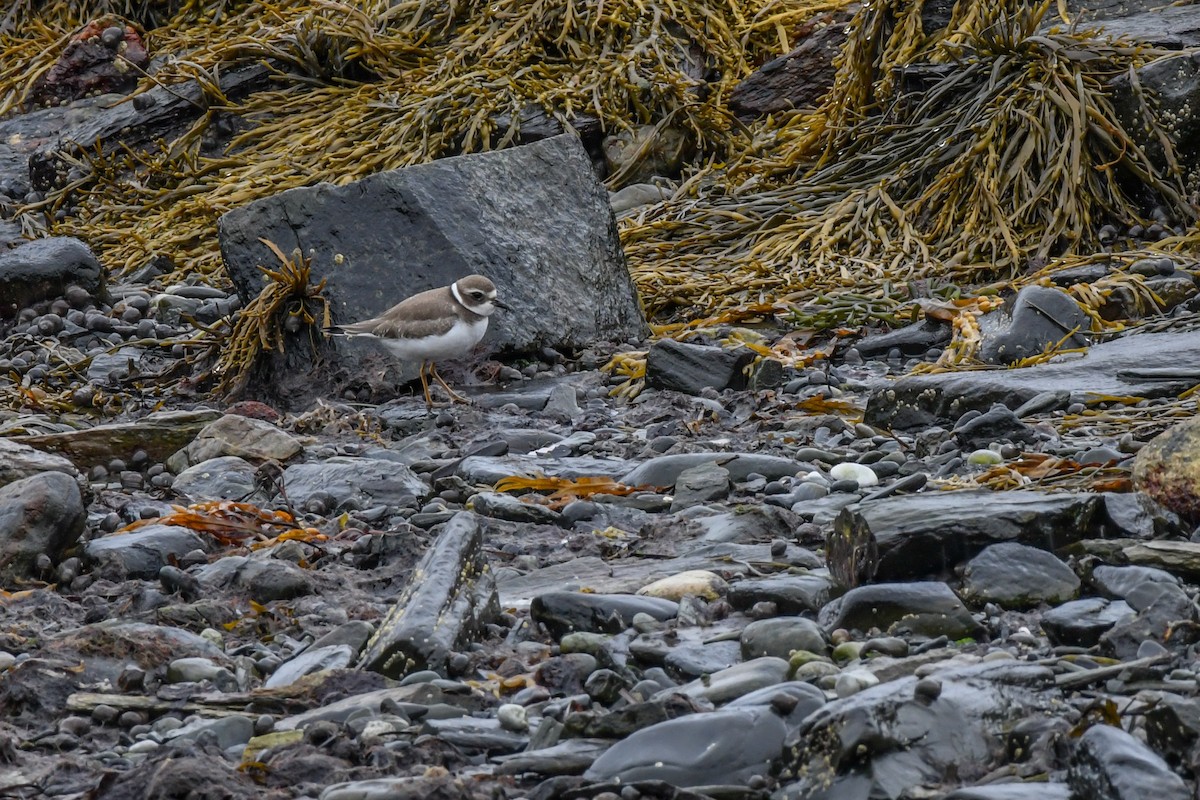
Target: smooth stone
[(996, 424), (927, 608), (861, 474), (1038, 318), (40, 516), (698, 583), (737, 680), (792, 594), (985, 458), (729, 746), (781, 636), (1016, 576), (853, 681), (42, 269)]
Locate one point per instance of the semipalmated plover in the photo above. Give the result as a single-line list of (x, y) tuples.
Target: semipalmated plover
[(432, 326)]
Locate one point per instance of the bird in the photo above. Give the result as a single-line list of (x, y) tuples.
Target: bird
[(432, 326)]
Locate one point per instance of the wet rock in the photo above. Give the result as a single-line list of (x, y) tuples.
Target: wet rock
[(43, 269), (365, 481), (143, 552), (158, 434), (700, 484), (1139, 366), (791, 594), (781, 636), (1166, 469), (796, 80), (264, 580), (567, 612), (1081, 623), (926, 535), (1017, 576), (1110, 764), (503, 506), (691, 368), (1170, 85), (571, 757), (994, 425), (235, 435), (18, 461), (634, 716), (722, 747), (665, 470), (1039, 318), (450, 597), (793, 701), (314, 659), (1138, 586), (736, 681), (925, 608), (913, 340), (40, 516), (543, 206), (1138, 516), (222, 478), (885, 739)]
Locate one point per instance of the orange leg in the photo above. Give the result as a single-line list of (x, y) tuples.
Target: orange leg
[(454, 396), (425, 385)]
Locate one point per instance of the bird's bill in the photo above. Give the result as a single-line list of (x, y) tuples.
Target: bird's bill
[(500, 304)]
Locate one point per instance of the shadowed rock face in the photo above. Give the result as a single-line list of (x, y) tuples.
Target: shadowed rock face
[(534, 219)]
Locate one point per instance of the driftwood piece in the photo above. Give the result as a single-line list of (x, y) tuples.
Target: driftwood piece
[(449, 598)]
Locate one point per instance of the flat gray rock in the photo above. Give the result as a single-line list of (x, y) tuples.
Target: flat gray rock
[(1142, 365), (369, 481), (19, 460), (143, 552)]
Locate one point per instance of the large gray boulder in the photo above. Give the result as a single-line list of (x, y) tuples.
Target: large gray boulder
[(534, 219), (43, 269), (41, 514)]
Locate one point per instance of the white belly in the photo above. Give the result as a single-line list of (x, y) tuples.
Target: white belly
[(457, 342)]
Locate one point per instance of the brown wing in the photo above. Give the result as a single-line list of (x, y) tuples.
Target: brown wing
[(419, 315)]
